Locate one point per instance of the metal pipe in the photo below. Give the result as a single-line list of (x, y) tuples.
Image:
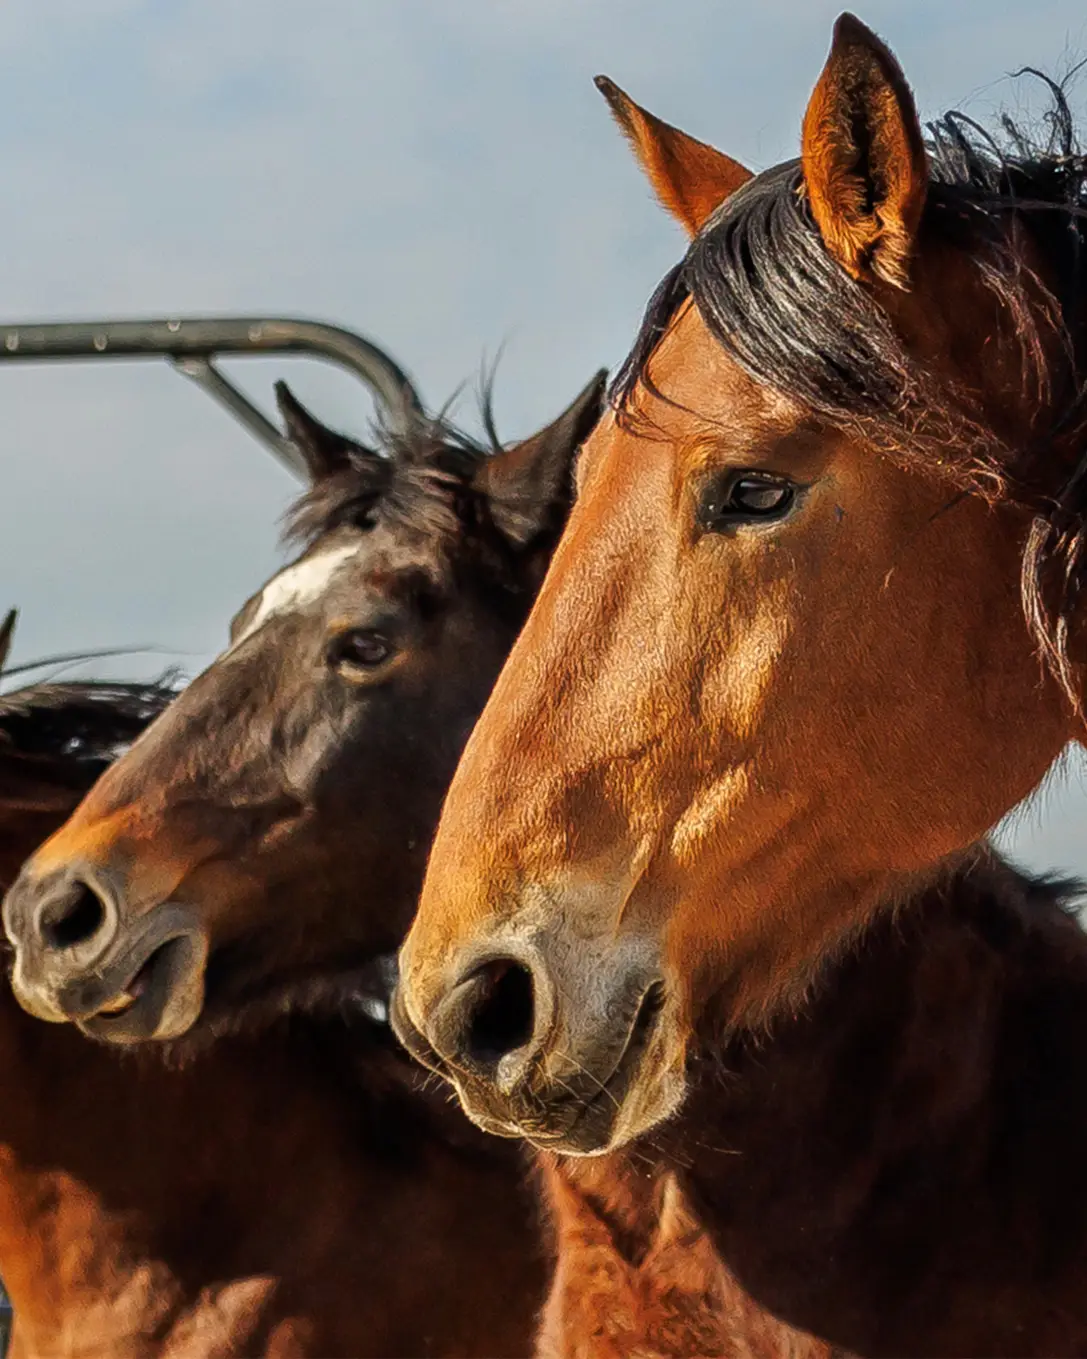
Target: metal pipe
[(206, 376), (191, 343)]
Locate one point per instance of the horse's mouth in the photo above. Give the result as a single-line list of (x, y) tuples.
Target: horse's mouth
[(139, 986), (126, 999), (160, 999), (638, 1092), (599, 1122)]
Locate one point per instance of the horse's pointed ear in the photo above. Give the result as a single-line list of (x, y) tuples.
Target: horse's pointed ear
[(865, 168), (7, 633), (528, 486), (689, 178), (324, 450)]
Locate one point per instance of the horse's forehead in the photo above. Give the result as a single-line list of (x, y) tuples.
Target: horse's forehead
[(300, 584), (705, 384)]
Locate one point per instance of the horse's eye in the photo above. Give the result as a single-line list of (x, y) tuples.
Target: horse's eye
[(359, 649), (745, 497)]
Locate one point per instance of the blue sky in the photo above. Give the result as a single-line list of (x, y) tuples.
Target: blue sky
[(440, 176)]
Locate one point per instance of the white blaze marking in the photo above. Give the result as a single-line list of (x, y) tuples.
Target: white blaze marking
[(297, 586)]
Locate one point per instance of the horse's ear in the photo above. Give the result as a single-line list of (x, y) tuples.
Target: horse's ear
[(865, 168), (7, 633), (325, 452), (528, 486), (689, 178)]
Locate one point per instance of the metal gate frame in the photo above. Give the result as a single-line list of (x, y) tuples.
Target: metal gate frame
[(192, 344)]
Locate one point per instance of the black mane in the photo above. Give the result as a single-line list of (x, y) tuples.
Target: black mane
[(791, 317), (430, 465), (426, 496), (87, 723)]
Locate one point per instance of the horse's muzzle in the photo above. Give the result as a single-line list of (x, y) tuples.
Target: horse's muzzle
[(78, 960), (566, 1050)]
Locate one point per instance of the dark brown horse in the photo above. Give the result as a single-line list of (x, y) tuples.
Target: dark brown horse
[(778, 682), (287, 1192), (268, 833), (293, 1188)]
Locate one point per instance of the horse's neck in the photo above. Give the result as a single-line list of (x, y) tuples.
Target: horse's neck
[(409, 1103), (294, 1174), (637, 1273), (916, 1133), (120, 1194)]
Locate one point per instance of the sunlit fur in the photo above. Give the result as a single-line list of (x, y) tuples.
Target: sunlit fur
[(725, 748)]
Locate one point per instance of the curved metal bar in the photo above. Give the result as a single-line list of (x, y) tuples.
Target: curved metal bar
[(191, 343), (207, 377)]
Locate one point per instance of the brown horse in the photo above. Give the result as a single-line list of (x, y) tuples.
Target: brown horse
[(279, 1194), (778, 681), (337, 1207), (778, 672), (897, 1165)]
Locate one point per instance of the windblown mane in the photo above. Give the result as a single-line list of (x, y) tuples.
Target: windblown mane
[(86, 723), (429, 466), (788, 313)]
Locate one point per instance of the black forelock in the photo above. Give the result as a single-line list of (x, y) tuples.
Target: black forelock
[(779, 304), (426, 498), (430, 464)]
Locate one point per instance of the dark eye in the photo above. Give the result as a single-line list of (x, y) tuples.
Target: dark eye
[(359, 649), (745, 497)]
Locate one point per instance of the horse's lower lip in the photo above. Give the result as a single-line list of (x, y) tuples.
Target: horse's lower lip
[(586, 1133), (590, 1133), (161, 999)]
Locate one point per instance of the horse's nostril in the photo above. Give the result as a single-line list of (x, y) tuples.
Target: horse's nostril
[(79, 917), (504, 1016)]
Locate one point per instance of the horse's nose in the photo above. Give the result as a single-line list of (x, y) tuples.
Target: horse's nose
[(63, 920), (75, 918), (495, 1019)]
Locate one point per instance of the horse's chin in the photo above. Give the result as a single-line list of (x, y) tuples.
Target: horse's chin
[(645, 1089), (610, 1122)]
